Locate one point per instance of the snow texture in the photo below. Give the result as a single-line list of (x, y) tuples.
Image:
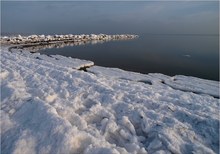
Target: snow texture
[(48, 106), (57, 59), (178, 82)]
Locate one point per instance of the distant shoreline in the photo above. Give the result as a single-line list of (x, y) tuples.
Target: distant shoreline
[(41, 41)]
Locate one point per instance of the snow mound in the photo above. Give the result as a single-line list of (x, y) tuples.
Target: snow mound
[(48, 107)]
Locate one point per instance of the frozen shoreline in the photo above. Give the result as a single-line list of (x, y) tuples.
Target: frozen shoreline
[(49, 106), (42, 39)]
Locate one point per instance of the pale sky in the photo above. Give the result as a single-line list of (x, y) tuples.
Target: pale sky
[(110, 17)]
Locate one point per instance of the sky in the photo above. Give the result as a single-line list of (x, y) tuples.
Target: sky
[(115, 0), (110, 17)]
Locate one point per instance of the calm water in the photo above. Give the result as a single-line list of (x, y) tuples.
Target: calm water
[(175, 37)]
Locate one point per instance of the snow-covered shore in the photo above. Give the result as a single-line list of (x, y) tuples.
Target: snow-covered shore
[(63, 38), (48, 105)]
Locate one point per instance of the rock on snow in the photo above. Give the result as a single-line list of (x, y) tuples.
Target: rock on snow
[(48, 106)]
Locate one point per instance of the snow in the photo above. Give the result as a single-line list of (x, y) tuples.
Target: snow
[(33, 39), (49, 106), (58, 60), (195, 85), (116, 73), (178, 82)]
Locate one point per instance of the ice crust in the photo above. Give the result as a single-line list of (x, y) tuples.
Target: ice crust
[(49, 106)]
